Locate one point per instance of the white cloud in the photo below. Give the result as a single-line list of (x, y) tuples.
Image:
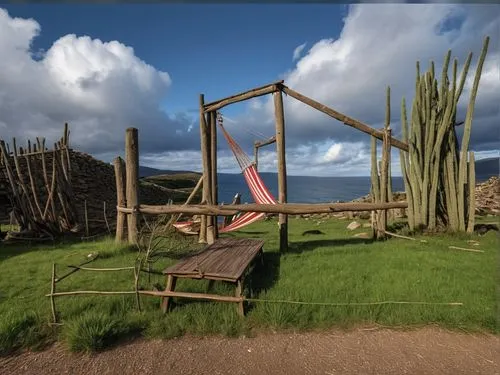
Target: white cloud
[(298, 51), (99, 87), (379, 46)]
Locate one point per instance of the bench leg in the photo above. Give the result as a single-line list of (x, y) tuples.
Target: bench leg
[(239, 293), (171, 280)]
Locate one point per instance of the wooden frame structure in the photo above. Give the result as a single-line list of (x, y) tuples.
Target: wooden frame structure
[(210, 209)]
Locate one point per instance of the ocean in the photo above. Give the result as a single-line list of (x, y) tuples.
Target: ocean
[(302, 189)]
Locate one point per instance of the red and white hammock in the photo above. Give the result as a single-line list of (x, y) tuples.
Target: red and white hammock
[(259, 191)]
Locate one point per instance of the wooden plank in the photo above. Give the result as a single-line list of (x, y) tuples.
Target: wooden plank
[(253, 93), (266, 142), (343, 118)]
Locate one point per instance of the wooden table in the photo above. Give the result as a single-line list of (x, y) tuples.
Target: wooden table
[(226, 259)]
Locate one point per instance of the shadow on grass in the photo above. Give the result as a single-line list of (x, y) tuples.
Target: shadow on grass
[(310, 245)]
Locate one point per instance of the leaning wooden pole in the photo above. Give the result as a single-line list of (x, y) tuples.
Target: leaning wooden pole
[(132, 182), (119, 165), (280, 149), (213, 159), (208, 168)]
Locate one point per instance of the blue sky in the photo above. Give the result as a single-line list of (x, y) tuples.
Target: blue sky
[(213, 49), (89, 76)]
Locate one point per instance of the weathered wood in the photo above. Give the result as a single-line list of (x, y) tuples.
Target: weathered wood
[(86, 218), (66, 134), (34, 189), (52, 291), (206, 196), (343, 118), (119, 165), (175, 218), (213, 168), (259, 144), (288, 208), (382, 223), (101, 269), (472, 193), (239, 294), (279, 117), (20, 181), (227, 259), (253, 93), (165, 301), (132, 181)]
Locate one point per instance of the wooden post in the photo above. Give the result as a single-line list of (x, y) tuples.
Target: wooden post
[(384, 170), (86, 219), (120, 198), (208, 167), (132, 181), (66, 135), (280, 149), (213, 159), (204, 163)]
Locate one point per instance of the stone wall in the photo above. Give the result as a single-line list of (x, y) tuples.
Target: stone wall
[(92, 181)]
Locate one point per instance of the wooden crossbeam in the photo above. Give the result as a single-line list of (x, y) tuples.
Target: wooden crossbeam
[(343, 118), (253, 93)]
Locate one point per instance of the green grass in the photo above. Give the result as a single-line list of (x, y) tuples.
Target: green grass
[(332, 267)]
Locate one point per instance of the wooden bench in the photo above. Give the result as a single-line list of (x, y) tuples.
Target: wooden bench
[(226, 259)]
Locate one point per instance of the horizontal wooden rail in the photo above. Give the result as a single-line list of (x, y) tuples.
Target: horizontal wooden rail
[(343, 118), (253, 93), (283, 208), (154, 293)]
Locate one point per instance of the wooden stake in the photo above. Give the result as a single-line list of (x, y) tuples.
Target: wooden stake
[(280, 149), (384, 182), (86, 219), (52, 292), (472, 193), (132, 181), (119, 165), (66, 135), (106, 217)]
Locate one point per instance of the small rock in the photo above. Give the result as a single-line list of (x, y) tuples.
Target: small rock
[(353, 225), (367, 225)]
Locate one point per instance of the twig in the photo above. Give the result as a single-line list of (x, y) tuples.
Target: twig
[(464, 249), (403, 237), (102, 269), (76, 269), (356, 303), (52, 291), (105, 218)]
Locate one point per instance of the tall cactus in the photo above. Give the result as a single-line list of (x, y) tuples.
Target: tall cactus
[(435, 173)]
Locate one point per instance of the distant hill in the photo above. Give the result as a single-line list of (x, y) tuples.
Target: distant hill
[(486, 168), (148, 172)]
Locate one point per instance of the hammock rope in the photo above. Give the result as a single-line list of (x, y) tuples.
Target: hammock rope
[(260, 193)]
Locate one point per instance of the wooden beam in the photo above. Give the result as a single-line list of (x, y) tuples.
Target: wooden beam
[(253, 93), (266, 142), (343, 118), (132, 181), (279, 117), (119, 165), (285, 208)]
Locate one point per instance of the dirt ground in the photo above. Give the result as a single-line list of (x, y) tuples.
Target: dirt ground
[(362, 351)]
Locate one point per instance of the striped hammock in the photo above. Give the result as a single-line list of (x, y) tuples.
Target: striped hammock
[(259, 191)]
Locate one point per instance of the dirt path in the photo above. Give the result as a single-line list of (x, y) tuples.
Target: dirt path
[(425, 351)]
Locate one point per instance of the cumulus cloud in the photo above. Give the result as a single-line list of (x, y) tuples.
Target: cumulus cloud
[(298, 51), (100, 88), (379, 46)]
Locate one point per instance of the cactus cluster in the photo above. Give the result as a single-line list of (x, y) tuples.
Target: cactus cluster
[(439, 179)]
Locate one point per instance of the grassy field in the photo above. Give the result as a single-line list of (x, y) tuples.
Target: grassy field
[(331, 267)]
